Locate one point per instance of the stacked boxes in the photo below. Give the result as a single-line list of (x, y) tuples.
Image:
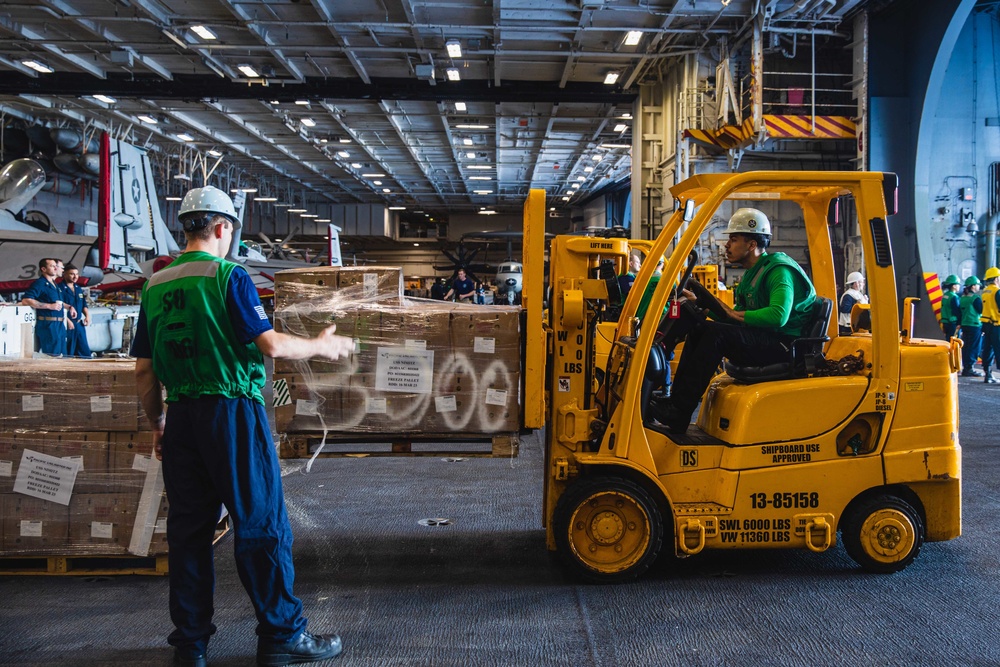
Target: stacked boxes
[(420, 367), (72, 464)]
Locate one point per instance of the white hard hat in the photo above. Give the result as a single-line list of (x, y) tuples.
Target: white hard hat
[(854, 277), (749, 221), (209, 200)]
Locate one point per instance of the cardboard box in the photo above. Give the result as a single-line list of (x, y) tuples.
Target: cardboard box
[(331, 285), (101, 522), (34, 526), (300, 402), (89, 449), (128, 457)]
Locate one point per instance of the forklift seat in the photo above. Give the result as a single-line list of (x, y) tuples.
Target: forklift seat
[(804, 357)]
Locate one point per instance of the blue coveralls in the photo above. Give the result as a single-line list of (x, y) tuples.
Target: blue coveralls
[(218, 451), (49, 326), (76, 338)]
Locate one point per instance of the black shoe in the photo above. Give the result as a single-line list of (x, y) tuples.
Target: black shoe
[(187, 658), (307, 647), (990, 379), (972, 374), (665, 413)]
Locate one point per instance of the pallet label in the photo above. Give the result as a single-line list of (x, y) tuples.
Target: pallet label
[(46, 477)]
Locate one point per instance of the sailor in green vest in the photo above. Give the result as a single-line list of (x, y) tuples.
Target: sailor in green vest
[(773, 303), (202, 335), (991, 323), (971, 305), (951, 310)]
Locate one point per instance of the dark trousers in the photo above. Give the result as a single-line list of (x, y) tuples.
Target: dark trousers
[(949, 329), (76, 341), (991, 345), (971, 339), (51, 336), (706, 346), (219, 451)]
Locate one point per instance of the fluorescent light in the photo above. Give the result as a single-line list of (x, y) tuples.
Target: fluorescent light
[(282, 205), (243, 190), (626, 116), (596, 157), (297, 210), (356, 165), (172, 198), (611, 78), (214, 153), (308, 215), (483, 192), (105, 99), (343, 154), (471, 156), (185, 137), (460, 106), (376, 182), (581, 178), (182, 177), (487, 213), (565, 198), (416, 245), (302, 103), (453, 74), (344, 140), (202, 32), (467, 142), (468, 126), (265, 199), (147, 119), (372, 175), (478, 166), (322, 219), (397, 208), (454, 48), (575, 186), (480, 178), (615, 146), (588, 169), (386, 190), (632, 37), (248, 71), (621, 127), (309, 122), (37, 66)]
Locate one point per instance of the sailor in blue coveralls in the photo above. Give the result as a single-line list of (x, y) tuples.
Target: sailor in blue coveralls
[(202, 333), (46, 297), (76, 337)]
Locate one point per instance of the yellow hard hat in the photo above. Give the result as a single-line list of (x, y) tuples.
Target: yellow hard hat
[(992, 272)]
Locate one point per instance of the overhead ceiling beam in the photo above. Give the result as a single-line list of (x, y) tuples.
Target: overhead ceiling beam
[(324, 11), (425, 167), (39, 40), (263, 35), (197, 86)]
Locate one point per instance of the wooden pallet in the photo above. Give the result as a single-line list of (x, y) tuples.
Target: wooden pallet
[(303, 445), (93, 565)]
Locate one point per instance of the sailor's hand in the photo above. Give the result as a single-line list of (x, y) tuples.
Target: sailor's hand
[(333, 346), (72, 312), (687, 295)]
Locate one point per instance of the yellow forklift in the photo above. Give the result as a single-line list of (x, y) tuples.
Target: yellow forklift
[(856, 435)]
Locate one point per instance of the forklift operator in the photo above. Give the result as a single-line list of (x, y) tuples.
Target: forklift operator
[(773, 307)]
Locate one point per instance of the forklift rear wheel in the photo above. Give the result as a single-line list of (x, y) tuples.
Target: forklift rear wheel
[(608, 529), (883, 533)]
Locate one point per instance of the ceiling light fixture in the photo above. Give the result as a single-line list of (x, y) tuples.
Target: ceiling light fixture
[(214, 153), (322, 219), (185, 137), (263, 199), (356, 165), (302, 103), (309, 122), (468, 126), (565, 198), (297, 210), (615, 146), (454, 48), (308, 215), (203, 32), (471, 156), (38, 66), (344, 140), (487, 213), (478, 166), (575, 186), (483, 192), (621, 127), (596, 157), (397, 208), (467, 142), (460, 106), (372, 175), (376, 182), (611, 78), (248, 71), (386, 190), (453, 74), (480, 178), (633, 37), (588, 169), (147, 119), (343, 154), (105, 99), (172, 198)]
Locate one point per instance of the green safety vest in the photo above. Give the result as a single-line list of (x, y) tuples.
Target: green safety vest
[(748, 297), (195, 349), (948, 315), (970, 318)]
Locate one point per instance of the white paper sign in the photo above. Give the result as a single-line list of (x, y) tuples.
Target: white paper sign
[(371, 285), (402, 370), (140, 463), (100, 404), (306, 407), (76, 459), (101, 529), (375, 405), (161, 525), (30, 528), (496, 397), (6, 468), (445, 404), (32, 403), (46, 477), (484, 345), (415, 345)]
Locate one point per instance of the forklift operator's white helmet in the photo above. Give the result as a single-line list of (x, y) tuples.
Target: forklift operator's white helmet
[(749, 221), (854, 277), (207, 200)]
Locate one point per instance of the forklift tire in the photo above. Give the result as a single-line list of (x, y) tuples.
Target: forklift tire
[(607, 529), (883, 533)]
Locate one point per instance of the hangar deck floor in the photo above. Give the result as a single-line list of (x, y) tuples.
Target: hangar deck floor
[(484, 591)]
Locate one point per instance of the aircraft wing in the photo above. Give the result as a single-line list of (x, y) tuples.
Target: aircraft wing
[(20, 252)]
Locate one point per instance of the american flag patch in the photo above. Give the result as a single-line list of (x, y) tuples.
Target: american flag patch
[(260, 311), (281, 394)]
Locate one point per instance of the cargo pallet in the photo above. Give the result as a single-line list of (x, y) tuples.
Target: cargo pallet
[(303, 445), (93, 565)]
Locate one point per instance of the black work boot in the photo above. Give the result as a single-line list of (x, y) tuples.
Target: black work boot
[(666, 413), (190, 658), (307, 647)]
